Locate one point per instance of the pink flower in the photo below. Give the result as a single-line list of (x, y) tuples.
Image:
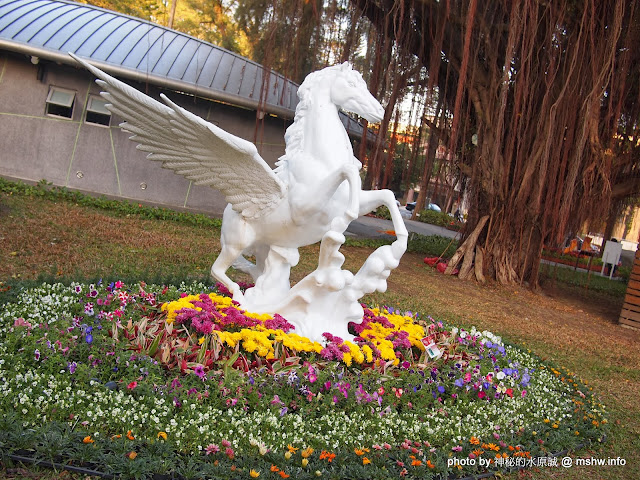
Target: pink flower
[(212, 448), (229, 453), (481, 395), (21, 322), (226, 443)]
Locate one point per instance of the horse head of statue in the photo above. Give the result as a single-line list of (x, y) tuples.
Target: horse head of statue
[(346, 89)]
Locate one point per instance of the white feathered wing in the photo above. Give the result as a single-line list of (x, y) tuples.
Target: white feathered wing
[(194, 148)]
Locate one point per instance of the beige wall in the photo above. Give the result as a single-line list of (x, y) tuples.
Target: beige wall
[(93, 158), (631, 217)]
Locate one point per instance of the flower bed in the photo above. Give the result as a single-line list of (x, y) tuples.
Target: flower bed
[(141, 380)]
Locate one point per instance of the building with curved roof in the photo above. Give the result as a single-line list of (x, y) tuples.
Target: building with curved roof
[(140, 50), (55, 125)]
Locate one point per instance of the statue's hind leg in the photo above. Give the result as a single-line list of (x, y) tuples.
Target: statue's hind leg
[(254, 269)]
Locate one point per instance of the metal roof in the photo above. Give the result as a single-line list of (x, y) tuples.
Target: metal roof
[(143, 51)]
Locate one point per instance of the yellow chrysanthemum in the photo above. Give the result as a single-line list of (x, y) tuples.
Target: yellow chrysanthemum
[(355, 352), (346, 358), (368, 353)]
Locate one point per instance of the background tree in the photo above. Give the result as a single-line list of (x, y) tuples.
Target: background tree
[(545, 87)]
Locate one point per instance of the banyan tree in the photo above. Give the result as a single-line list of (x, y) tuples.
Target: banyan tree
[(542, 114)]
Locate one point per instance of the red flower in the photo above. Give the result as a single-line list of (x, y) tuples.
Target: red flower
[(481, 395), (509, 392), (132, 385)]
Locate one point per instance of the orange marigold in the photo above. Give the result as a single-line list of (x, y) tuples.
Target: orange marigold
[(365, 461), (326, 455)]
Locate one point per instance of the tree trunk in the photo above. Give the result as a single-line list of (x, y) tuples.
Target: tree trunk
[(466, 253)]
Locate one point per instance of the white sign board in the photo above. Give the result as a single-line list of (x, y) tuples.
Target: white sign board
[(612, 251)]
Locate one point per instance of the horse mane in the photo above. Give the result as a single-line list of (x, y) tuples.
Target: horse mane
[(294, 135)]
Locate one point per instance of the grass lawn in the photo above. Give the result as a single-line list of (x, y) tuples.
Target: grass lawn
[(572, 327)]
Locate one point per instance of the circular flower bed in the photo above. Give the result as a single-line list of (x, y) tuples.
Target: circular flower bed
[(142, 380)]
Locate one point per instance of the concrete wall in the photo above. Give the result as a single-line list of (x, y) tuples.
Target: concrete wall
[(93, 158)]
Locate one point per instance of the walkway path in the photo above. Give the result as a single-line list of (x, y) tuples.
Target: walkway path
[(372, 227)]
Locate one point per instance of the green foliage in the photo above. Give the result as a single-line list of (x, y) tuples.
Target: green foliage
[(423, 244), (435, 245), (593, 282), (436, 218), (383, 212), (44, 189)]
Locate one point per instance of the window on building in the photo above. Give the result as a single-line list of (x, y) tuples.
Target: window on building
[(97, 112), (60, 102)]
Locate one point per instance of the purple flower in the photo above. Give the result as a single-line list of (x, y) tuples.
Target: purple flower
[(88, 338), (36, 354), (199, 371), (459, 382), (72, 367), (78, 289), (441, 389), (292, 377)]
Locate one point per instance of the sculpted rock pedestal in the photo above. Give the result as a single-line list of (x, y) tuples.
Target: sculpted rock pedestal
[(312, 195)]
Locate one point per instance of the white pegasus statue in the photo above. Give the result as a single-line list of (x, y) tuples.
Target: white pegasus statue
[(312, 195)]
